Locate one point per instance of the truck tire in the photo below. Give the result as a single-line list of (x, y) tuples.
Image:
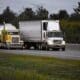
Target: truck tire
[(47, 48), (27, 46), (43, 47), (56, 49), (7, 47), (63, 49)]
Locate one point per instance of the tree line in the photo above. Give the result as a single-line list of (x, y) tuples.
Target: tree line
[(40, 14), (70, 23)]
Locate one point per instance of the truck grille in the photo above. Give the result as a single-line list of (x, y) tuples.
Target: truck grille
[(15, 39), (57, 41)]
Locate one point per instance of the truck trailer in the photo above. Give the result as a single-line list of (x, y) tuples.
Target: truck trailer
[(43, 34), (10, 37)]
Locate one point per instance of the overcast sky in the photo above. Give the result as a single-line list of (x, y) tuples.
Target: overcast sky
[(53, 6)]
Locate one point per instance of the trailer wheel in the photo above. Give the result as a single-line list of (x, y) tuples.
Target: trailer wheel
[(28, 47), (42, 47), (39, 47)]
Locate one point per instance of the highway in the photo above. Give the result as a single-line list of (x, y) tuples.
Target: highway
[(72, 52)]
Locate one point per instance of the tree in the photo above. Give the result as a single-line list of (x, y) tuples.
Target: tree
[(27, 14), (54, 16), (1, 19), (76, 15), (63, 14), (42, 13), (77, 10), (9, 17)]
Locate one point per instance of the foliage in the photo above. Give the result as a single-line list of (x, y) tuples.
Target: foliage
[(27, 14), (22, 67), (9, 17), (41, 13), (72, 30), (77, 10), (61, 15), (54, 16)]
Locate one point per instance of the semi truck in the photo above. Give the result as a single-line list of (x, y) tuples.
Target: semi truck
[(10, 37), (43, 34)]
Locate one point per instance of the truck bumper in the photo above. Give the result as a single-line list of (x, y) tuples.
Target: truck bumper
[(56, 46), (16, 45)]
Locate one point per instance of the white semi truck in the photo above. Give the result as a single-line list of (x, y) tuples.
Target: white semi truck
[(10, 37), (44, 34)]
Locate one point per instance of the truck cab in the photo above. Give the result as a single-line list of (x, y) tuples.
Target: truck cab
[(10, 37), (55, 39), (13, 40), (52, 34)]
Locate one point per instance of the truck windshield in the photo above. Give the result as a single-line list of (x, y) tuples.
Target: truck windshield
[(55, 34)]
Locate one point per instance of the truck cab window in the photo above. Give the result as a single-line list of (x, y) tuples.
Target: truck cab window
[(45, 26)]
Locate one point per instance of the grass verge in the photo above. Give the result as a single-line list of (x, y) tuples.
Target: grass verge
[(23, 67)]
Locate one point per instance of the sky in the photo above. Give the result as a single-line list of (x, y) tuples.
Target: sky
[(53, 6)]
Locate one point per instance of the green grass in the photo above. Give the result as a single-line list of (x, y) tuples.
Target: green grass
[(22, 67)]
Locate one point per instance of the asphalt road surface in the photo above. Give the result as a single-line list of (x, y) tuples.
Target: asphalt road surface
[(72, 52)]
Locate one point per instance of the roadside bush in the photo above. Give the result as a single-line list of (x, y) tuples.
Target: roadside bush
[(72, 31)]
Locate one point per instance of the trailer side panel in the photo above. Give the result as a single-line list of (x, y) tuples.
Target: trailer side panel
[(30, 30)]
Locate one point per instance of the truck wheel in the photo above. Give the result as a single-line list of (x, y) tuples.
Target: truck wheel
[(21, 47), (27, 47), (63, 49), (43, 47), (35, 47), (39, 47), (47, 48), (56, 49), (7, 47)]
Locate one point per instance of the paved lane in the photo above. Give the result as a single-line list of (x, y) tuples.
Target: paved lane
[(72, 52)]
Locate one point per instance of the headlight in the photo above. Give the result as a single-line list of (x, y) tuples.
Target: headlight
[(49, 42), (63, 42)]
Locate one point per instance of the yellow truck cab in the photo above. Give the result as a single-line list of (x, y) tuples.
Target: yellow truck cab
[(10, 38)]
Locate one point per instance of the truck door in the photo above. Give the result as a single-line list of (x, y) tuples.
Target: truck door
[(44, 30)]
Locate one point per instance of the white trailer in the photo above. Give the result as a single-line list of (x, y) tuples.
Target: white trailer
[(42, 34)]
